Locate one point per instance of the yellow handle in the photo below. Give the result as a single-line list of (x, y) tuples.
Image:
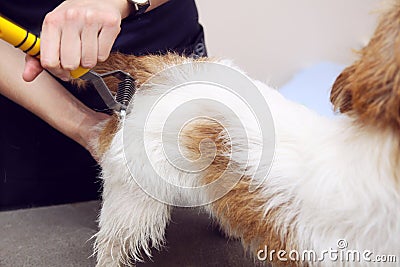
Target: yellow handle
[(27, 42)]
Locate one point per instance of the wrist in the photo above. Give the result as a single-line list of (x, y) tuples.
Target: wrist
[(123, 6), (88, 130), (139, 6), (156, 3), (153, 4)]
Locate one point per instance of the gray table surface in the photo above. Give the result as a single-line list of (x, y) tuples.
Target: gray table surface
[(60, 236)]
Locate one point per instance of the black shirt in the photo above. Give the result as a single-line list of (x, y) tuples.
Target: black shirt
[(40, 166), (172, 26)]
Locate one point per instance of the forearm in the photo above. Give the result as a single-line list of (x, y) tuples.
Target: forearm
[(44, 97)]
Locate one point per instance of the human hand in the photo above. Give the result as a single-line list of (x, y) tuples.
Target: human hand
[(77, 33)]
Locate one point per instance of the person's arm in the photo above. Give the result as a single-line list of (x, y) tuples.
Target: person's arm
[(79, 33), (47, 99), (43, 95)]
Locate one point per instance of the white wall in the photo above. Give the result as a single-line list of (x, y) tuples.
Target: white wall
[(272, 39)]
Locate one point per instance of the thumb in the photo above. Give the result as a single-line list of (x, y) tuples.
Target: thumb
[(32, 68)]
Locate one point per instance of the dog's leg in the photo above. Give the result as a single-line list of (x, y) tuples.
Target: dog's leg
[(131, 223)]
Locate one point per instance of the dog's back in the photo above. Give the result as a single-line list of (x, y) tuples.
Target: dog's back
[(332, 184)]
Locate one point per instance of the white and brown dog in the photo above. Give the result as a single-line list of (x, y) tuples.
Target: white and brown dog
[(330, 179)]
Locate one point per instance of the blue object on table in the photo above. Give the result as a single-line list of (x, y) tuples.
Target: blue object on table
[(311, 87)]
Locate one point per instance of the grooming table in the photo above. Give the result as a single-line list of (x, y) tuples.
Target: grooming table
[(58, 236)]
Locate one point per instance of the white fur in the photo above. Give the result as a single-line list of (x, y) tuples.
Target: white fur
[(339, 178), (335, 179)]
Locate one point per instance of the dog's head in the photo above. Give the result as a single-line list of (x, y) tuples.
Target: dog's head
[(369, 90)]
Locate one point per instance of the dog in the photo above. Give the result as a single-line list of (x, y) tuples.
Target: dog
[(333, 183)]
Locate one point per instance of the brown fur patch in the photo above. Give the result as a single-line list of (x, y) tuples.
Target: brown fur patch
[(369, 90), (240, 212), (141, 68), (107, 135)]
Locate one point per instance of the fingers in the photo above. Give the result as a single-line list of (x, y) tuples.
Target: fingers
[(78, 33), (32, 68), (107, 35), (50, 46), (89, 41), (70, 45), (50, 41)]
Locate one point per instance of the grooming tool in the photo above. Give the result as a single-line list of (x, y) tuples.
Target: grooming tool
[(125, 92), (30, 44)]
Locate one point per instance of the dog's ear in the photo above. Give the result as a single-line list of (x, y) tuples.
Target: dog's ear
[(341, 93), (369, 90)]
